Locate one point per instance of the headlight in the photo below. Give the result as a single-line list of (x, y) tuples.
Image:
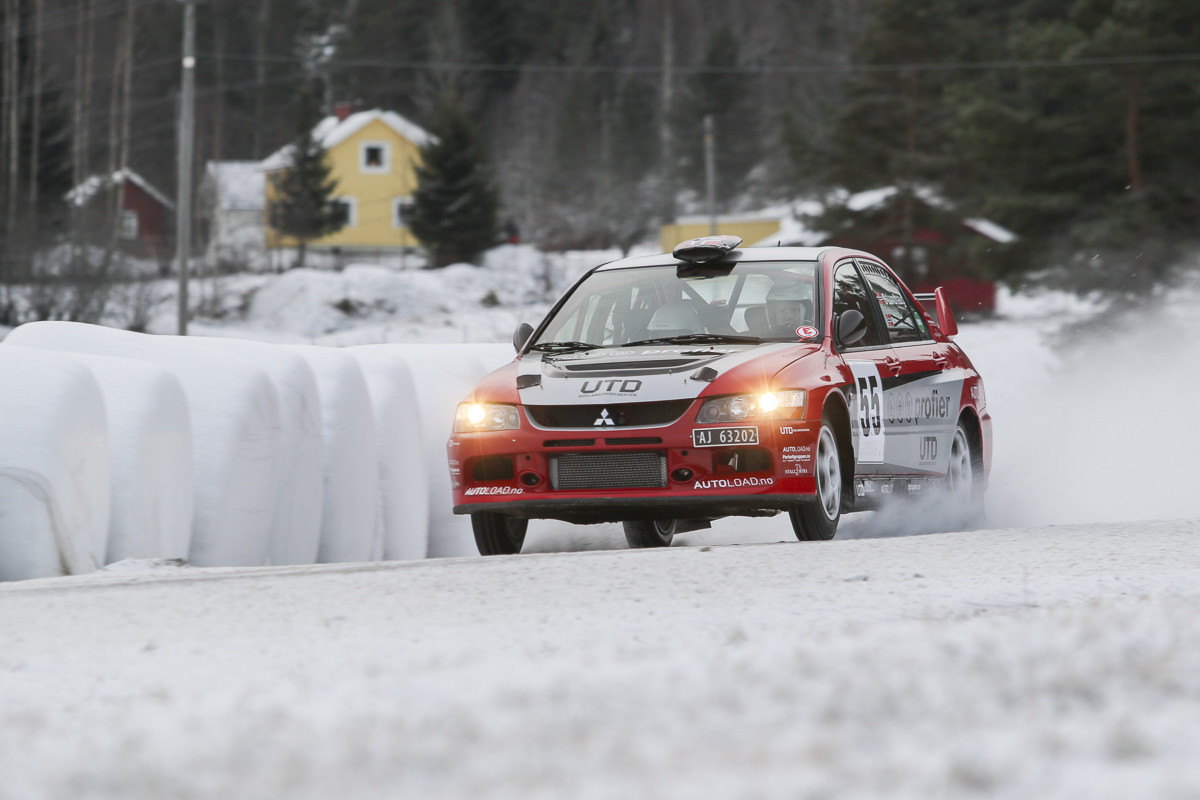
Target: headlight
[(485, 417), (735, 408)]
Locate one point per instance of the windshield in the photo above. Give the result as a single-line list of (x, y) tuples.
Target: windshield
[(749, 303)]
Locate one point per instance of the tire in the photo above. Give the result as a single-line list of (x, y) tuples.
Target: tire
[(498, 534), (964, 484), (640, 533), (817, 519)]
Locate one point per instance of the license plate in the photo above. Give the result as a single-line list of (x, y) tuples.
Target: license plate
[(716, 437)]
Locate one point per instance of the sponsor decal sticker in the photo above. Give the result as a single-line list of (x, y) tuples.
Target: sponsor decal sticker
[(493, 490), (929, 449), (734, 483), (904, 407), (612, 387), (790, 431), (806, 332)]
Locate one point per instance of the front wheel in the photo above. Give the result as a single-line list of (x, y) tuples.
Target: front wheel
[(498, 534), (817, 519), (641, 533)]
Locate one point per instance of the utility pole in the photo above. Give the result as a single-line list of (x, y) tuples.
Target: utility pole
[(710, 171), (187, 132)]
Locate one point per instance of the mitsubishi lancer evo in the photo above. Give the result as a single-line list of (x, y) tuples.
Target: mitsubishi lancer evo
[(667, 391)]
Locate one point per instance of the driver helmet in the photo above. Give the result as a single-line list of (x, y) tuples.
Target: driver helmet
[(788, 304), (675, 318)]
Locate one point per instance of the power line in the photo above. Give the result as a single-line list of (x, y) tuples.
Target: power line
[(762, 69)]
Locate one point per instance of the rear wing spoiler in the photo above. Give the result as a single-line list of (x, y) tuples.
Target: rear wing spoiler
[(937, 308)]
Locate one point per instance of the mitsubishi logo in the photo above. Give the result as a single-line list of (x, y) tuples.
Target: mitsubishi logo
[(603, 419)]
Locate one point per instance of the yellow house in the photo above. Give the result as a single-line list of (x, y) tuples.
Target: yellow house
[(753, 227), (373, 156)]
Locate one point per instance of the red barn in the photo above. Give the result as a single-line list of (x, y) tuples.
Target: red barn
[(145, 212), (923, 239)]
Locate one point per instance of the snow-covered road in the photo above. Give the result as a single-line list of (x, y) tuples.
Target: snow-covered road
[(1041, 662)]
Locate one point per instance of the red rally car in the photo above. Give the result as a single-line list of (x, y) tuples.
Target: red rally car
[(668, 391)]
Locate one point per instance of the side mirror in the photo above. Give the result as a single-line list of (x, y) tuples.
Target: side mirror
[(851, 327), (521, 336)]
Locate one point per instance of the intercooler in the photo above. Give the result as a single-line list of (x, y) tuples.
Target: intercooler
[(608, 470)]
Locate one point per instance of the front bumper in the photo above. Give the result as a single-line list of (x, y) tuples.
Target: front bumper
[(535, 472)]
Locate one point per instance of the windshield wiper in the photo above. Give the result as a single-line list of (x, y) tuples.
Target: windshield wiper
[(563, 347), (699, 338)]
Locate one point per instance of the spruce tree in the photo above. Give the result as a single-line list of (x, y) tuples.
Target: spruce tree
[(454, 205), (1090, 161), (304, 205)]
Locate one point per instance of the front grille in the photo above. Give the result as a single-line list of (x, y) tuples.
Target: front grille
[(609, 415), (621, 470)]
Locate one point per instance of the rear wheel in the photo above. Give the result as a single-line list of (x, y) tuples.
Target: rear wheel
[(818, 518), (498, 534), (964, 485), (641, 533)]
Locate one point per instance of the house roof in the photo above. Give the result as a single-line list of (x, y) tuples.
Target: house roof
[(241, 185), (794, 230), (331, 132), (86, 190)]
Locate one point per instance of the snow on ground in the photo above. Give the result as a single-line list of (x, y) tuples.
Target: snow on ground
[(1043, 662), (1054, 655)]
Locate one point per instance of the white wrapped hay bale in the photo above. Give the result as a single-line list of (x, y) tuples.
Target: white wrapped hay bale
[(351, 457), (151, 444), (445, 375), (235, 420), (55, 484), (295, 525), (403, 474)]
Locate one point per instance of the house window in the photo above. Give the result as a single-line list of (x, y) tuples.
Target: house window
[(402, 208), (374, 157), (129, 224), (351, 205)]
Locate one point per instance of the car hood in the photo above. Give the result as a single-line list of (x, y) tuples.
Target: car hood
[(638, 374)]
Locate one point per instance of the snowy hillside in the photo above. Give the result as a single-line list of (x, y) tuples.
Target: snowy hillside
[(1052, 655)]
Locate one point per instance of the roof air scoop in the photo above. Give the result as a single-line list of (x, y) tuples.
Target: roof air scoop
[(705, 248)]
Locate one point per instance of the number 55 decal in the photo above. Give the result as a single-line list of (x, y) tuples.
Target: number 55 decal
[(868, 411)]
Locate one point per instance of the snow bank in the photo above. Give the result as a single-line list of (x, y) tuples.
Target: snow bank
[(54, 466), (403, 522), (351, 460), (235, 420), (444, 374)]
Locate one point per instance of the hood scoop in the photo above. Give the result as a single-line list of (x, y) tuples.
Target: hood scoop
[(628, 366), (616, 362)]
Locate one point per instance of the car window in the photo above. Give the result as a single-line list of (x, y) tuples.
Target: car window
[(849, 292), (619, 306), (903, 322)]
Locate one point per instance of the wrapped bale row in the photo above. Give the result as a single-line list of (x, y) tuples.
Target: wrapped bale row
[(118, 445)]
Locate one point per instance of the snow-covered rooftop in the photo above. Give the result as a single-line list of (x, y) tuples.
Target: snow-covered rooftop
[(86, 190), (241, 185), (331, 131)]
